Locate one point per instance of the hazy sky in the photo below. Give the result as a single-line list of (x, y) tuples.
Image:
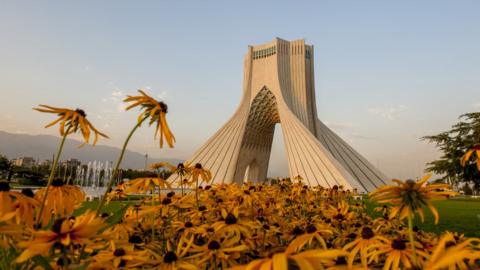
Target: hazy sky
[(386, 73)]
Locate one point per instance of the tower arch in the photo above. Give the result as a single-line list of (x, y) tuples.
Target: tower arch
[(278, 88)]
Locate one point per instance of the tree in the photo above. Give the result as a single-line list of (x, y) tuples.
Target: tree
[(5, 167), (453, 144), (5, 164)]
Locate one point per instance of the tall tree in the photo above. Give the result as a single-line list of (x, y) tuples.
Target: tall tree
[(5, 164), (453, 144)]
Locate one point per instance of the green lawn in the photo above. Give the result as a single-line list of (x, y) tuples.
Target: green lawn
[(111, 207), (461, 216)]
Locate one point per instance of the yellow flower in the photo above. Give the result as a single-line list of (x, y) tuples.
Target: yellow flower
[(396, 253), (198, 172), (79, 230), (120, 257), (24, 210), (156, 111), (314, 234), (216, 252), (146, 184), (451, 255), (160, 165), (362, 245), (16, 207), (409, 197), (72, 120), (307, 260), (174, 259), (232, 225), (468, 155), (61, 201)]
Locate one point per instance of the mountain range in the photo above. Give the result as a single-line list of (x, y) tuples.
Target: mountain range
[(42, 147)]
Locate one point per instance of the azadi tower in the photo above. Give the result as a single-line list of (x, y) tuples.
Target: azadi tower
[(279, 88)]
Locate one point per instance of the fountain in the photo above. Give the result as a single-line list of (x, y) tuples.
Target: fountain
[(94, 177)]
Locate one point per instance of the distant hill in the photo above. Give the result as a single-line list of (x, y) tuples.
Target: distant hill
[(44, 146)]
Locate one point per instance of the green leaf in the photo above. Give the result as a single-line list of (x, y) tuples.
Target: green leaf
[(41, 261), (116, 217)]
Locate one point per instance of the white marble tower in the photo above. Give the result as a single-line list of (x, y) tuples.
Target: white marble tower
[(279, 88)]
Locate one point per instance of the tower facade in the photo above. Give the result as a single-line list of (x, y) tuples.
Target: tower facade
[(279, 88)]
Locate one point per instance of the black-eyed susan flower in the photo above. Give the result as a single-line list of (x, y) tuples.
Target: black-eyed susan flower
[(311, 259), (218, 253), (449, 254), (120, 257), (72, 121), (65, 232), (154, 110), (315, 235), (145, 184), (61, 200), (174, 258), (397, 253), (363, 244), (232, 225), (409, 197), (198, 172)]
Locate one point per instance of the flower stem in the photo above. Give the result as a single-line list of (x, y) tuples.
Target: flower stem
[(52, 174), (153, 213), (117, 166), (412, 240), (196, 192)]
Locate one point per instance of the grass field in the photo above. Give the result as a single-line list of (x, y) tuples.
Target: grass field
[(460, 215)]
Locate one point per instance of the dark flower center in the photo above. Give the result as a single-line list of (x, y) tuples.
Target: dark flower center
[(57, 225), (200, 241), (198, 166), (311, 228), (170, 257), (180, 166), (166, 201), (28, 192), (135, 239), (119, 252), (341, 261), (202, 208), (398, 244), (449, 244), (57, 182), (266, 227), (338, 217), (367, 233), (171, 194), (61, 261), (298, 231), (410, 183), (214, 245), (352, 236), (188, 224), (230, 219), (4, 186), (81, 112), (163, 106)]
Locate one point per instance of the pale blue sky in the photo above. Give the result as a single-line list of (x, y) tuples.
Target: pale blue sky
[(387, 72)]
